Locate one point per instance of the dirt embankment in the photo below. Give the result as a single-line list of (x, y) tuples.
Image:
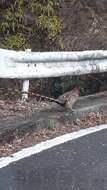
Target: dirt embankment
[(84, 24)]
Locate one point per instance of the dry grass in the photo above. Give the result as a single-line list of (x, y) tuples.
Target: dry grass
[(33, 138)]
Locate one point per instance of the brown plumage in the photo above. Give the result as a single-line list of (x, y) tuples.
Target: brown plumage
[(69, 98), (66, 100)]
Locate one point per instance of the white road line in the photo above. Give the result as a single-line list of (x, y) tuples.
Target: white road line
[(24, 153)]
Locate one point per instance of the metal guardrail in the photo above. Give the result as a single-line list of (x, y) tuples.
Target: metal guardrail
[(26, 64)]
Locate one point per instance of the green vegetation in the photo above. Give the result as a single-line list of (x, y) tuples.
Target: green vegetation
[(29, 24), (51, 125), (35, 24)]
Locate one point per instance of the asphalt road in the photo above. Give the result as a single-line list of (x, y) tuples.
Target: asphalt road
[(80, 164)]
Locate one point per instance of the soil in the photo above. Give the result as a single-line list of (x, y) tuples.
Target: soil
[(84, 24), (33, 138)]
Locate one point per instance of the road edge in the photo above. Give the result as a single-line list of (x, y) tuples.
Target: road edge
[(35, 149)]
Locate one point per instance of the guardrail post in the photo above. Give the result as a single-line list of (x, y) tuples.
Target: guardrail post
[(25, 88)]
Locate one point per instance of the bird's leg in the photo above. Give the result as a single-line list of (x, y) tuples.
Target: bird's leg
[(72, 109)]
